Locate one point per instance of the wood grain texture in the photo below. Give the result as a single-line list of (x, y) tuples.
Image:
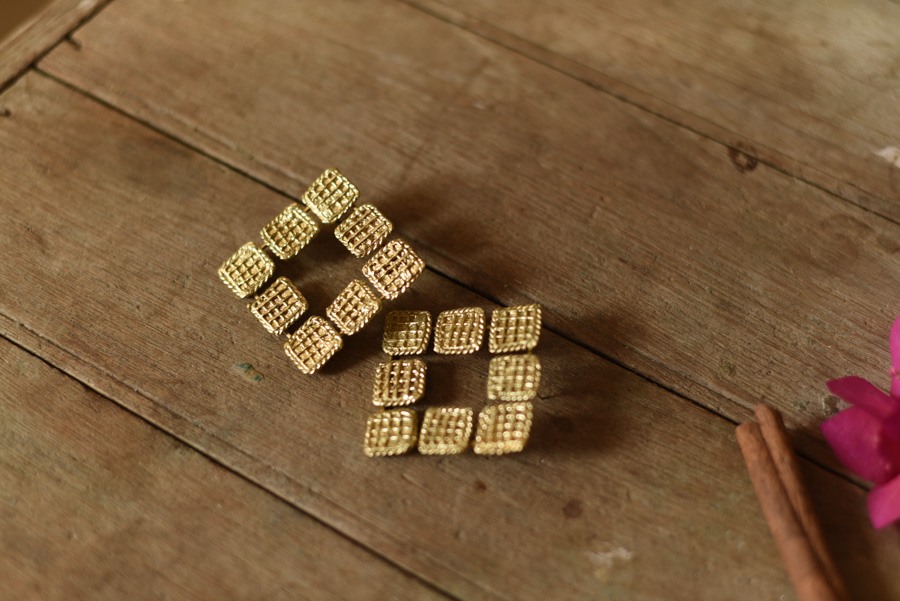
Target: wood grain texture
[(626, 491), (809, 89), (641, 238), (97, 504)]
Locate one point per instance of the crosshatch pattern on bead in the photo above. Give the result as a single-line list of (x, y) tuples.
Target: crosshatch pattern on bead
[(352, 309), (399, 382), (330, 196), (289, 232), (279, 305), (363, 230), (406, 332), (459, 331), (391, 433), (246, 270), (393, 268), (445, 430), (313, 344), (503, 428), (513, 377), (515, 328)]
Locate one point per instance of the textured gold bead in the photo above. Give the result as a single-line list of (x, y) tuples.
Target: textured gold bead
[(246, 270), (393, 268), (313, 344), (352, 309), (513, 377), (503, 428), (515, 328), (279, 305), (391, 433), (330, 196), (445, 430), (406, 332), (459, 331), (363, 230), (289, 232), (400, 382)]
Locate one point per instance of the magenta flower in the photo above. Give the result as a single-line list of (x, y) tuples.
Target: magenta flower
[(866, 436)]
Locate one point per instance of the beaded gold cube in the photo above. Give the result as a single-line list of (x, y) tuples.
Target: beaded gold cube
[(515, 328), (363, 230), (445, 430), (406, 332), (279, 306), (352, 309), (391, 433), (399, 382), (289, 232), (459, 331), (393, 268), (513, 377), (503, 428), (330, 196), (313, 344), (246, 270)]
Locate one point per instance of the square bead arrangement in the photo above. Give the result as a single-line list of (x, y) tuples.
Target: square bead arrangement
[(391, 270)]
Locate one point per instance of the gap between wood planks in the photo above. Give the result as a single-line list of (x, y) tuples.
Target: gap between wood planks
[(591, 349), (39, 343), (578, 71)]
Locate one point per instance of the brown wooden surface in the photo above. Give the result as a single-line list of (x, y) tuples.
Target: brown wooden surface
[(145, 151)]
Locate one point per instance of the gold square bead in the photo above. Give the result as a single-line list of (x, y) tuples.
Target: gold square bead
[(459, 331), (393, 268), (363, 230), (503, 428), (515, 328), (399, 382), (279, 305), (330, 196), (513, 377), (289, 232), (352, 309), (246, 270), (391, 433), (445, 430), (313, 344), (406, 332)]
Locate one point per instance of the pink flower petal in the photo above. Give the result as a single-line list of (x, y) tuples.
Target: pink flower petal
[(859, 443), (884, 503), (863, 394), (895, 359)]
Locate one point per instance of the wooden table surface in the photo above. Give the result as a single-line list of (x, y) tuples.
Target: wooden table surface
[(703, 196)]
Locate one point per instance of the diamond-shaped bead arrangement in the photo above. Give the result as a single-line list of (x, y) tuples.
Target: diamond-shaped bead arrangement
[(289, 232), (513, 377), (330, 196), (503, 428), (445, 430), (313, 344), (391, 433), (406, 332), (459, 331), (352, 309), (246, 270), (279, 306), (515, 328), (363, 230), (400, 382), (393, 268)]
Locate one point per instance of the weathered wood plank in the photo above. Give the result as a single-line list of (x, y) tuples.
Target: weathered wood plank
[(641, 238), (95, 503), (810, 89), (626, 490)]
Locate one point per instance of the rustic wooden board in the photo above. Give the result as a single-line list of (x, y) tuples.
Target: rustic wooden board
[(642, 239), (98, 504), (809, 89), (626, 492)]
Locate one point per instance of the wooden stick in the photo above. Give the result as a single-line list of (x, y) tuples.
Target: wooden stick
[(775, 436), (800, 560)]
